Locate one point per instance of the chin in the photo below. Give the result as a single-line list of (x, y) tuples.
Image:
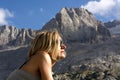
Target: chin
[(63, 55)]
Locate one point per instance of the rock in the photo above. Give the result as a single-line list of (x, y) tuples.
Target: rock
[(78, 24), (113, 26), (11, 36)]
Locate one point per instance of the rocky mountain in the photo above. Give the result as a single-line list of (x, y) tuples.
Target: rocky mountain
[(113, 23), (100, 61), (84, 61), (75, 24), (113, 26), (11, 36), (78, 24)]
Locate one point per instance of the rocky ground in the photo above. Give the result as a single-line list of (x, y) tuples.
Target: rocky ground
[(10, 60), (100, 61), (104, 68)]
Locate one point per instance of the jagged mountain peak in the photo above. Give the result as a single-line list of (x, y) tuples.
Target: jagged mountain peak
[(63, 10), (113, 26), (113, 23), (78, 15), (75, 24), (12, 36), (78, 24)]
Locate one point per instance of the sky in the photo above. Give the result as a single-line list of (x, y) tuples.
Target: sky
[(36, 13)]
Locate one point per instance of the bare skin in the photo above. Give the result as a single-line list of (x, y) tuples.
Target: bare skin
[(41, 62)]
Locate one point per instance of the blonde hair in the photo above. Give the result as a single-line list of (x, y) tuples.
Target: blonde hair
[(46, 41)]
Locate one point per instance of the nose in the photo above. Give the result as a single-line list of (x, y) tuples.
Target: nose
[(63, 46)]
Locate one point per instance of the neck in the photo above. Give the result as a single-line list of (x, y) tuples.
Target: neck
[(53, 62)]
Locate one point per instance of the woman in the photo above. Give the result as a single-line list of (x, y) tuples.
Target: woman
[(46, 49)]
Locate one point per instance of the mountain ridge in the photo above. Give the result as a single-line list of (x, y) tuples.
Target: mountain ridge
[(113, 26), (79, 29), (11, 36), (74, 22)]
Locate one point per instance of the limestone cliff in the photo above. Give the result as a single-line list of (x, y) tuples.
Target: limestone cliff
[(78, 24), (12, 37)]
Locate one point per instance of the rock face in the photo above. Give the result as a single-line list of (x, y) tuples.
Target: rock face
[(11, 36), (99, 69), (98, 61), (113, 26), (75, 24), (78, 24), (91, 62)]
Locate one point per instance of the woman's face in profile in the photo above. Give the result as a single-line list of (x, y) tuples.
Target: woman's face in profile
[(61, 48)]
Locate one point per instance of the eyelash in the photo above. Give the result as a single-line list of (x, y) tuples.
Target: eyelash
[(61, 42)]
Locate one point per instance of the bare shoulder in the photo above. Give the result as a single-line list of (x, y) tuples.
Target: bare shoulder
[(45, 66), (44, 57)]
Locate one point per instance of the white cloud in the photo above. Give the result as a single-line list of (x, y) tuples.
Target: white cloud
[(104, 7), (117, 9), (4, 14)]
